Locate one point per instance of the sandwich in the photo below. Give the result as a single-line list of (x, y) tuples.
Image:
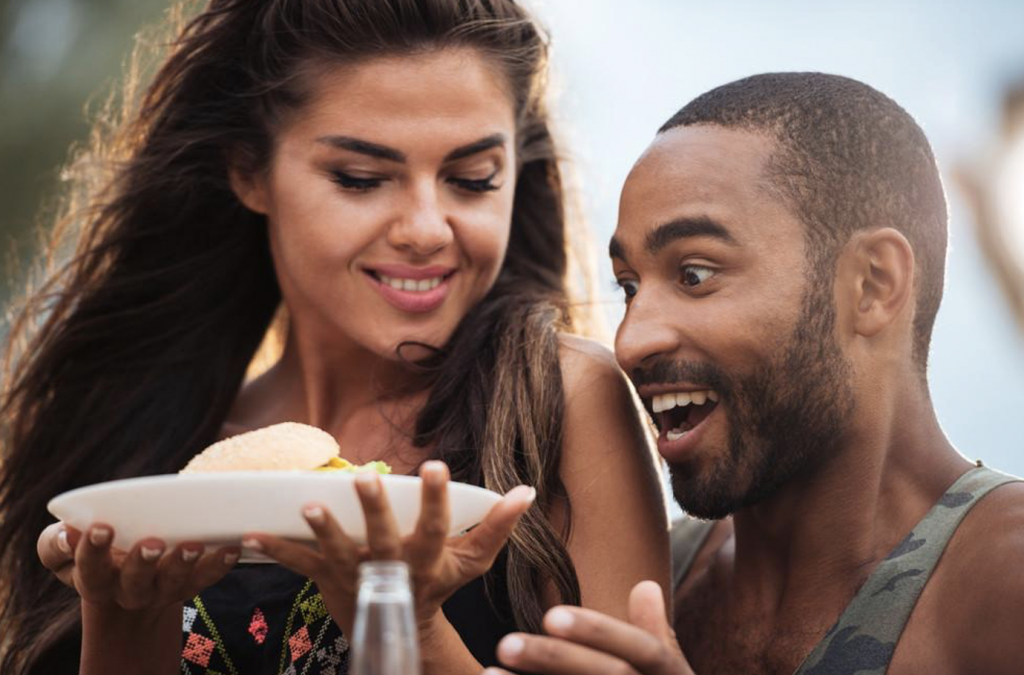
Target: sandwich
[(289, 446)]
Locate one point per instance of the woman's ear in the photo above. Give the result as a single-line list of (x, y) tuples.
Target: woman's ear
[(881, 267), (250, 188)]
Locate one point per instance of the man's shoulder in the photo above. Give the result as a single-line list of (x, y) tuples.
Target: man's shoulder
[(978, 586)]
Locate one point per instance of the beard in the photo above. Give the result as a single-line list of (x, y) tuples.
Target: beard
[(785, 420)]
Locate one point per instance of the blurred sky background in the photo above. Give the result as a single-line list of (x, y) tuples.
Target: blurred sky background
[(621, 69)]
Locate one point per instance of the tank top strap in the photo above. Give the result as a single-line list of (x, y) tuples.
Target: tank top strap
[(686, 538), (864, 638)]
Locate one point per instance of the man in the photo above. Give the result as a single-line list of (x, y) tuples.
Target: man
[(781, 245)]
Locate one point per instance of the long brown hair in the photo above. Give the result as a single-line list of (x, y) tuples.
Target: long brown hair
[(126, 360)]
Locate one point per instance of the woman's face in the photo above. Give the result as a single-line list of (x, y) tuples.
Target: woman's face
[(389, 199)]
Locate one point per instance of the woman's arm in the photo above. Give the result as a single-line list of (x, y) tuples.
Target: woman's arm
[(619, 533)]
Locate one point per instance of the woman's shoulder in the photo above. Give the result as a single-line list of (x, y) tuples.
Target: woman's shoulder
[(598, 398), (586, 362)]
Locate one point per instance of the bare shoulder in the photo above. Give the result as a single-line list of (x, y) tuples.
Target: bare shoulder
[(977, 602), (586, 362), (605, 432), (598, 397)]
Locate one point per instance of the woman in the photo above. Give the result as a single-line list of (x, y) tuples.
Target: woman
[(384, 171)]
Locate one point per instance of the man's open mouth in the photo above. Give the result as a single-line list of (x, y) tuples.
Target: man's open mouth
[(677, 413)]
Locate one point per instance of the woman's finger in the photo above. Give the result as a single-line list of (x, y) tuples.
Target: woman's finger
[(175, 569), (94, 571), (137, 587), (211, 568), (337, 548), (54, 548), (381, 529), (423, 549), (481, 545), (299, 558)]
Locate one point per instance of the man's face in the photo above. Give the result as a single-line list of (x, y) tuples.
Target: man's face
[(728, 332)]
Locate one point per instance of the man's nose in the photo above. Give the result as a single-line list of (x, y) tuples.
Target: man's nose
[(422, 226), (646, 332)]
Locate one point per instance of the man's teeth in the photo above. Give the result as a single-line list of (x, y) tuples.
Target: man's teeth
[(417, 285), (675, 435), (663, 402)]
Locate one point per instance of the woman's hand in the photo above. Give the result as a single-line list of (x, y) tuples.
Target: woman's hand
[(439, 565), (147, 577)]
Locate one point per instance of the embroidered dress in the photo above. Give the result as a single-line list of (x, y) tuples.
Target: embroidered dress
[(265, 620)]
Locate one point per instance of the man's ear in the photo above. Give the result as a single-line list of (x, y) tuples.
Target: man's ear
[(250, 188), (880, 264)]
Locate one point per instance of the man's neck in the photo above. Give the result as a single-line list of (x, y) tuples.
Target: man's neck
[(811, 545)]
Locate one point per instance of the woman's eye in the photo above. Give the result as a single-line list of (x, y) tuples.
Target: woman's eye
[(695, 275), (629, 287), (475, 184), (354, 182)]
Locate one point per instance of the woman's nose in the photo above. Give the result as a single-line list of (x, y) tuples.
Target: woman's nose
[(422, 227)]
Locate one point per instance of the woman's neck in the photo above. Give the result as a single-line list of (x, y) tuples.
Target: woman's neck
[(367, 402)]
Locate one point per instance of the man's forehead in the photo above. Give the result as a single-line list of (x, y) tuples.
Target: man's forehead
[(698, 173)]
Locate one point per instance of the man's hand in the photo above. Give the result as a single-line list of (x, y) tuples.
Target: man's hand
[(585, 642)]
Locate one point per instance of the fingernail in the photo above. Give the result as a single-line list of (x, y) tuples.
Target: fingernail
[(190, 554), (368, 481), (99, 536), (511, 646), (314, 514), (151, 553), (434, 471), (63, 544), (523, 493), (252, 544), (559, 619), (230, 559)]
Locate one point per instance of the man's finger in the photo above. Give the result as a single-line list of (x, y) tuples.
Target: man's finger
[(646, 652), (381, 529), (553, 656), (424, 547), (486, 539), (647, 611)]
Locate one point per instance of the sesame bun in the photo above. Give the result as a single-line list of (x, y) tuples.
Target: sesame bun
[(280, 447)]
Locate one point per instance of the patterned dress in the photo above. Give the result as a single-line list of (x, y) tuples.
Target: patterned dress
[(265, 620)]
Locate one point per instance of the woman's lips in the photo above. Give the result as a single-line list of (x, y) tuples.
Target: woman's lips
[(410, 289)]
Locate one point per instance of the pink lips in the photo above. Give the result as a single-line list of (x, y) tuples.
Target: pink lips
[(417, 302)]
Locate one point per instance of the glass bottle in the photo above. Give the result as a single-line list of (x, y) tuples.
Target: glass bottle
[(384, 640)]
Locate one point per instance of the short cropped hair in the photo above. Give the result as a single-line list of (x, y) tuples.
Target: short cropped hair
[(848, 158)]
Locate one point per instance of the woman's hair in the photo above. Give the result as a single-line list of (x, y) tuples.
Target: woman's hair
[(126, 360)]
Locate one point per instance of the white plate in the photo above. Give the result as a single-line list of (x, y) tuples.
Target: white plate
[(218, 508)]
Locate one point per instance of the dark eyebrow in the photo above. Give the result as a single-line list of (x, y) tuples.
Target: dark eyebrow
[(701, 226), (392, 155), (486, 143), (363, 147), (615, 250)]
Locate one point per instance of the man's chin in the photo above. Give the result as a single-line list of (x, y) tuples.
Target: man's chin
[(704, 496)]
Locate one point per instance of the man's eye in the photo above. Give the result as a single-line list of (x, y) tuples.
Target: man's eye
[(353, 182), (475, 184), (695, 275), (629, 287)]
